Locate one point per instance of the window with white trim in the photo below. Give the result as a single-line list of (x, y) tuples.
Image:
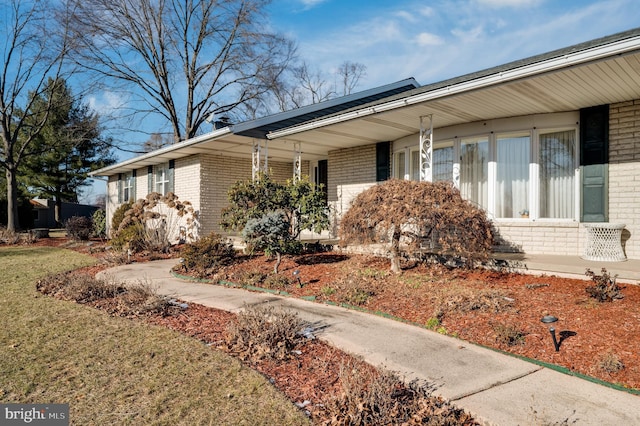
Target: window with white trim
[(513, 156), (474, 170), (557, 160), (128, 188), (163, 180)]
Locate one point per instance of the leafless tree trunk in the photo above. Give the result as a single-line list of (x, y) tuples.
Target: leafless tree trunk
[(350, 74), (33, 52), (183, 59)]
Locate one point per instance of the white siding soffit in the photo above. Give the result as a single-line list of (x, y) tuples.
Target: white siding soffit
[(567, 60)]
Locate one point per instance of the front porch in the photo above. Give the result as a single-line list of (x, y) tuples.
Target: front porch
[(573, 266)]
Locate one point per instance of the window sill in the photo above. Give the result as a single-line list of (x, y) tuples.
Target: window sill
[(538, 223)]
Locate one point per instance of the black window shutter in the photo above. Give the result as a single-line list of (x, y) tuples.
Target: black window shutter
[(594, 163), (383, 161)]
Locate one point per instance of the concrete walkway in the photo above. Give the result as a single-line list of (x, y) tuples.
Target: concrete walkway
[(496, 388)]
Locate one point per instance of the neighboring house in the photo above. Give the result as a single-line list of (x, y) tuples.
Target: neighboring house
[(545, 145), (44, 212)]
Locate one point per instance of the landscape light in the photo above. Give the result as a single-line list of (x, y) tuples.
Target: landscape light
[(550, 319)]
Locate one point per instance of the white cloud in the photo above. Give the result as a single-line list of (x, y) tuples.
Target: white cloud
[(409, 17), (308, 4), (107, 103), (509, 3), (427, 39)]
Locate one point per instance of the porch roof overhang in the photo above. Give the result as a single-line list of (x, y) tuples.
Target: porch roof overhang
[(598, 72), (237, 140)]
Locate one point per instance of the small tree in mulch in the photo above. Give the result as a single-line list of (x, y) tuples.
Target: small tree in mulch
[(407, 214), (272, 214), (271, 234)]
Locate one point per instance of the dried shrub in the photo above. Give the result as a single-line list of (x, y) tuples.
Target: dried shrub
[(164, 219), (133, 300), (141, 299), (356, 290), (79, 228), (412, 216), (206, 255), (9, 237), (381, 398), (253, 278), (260, 332), (276, 282), (605, 289), (610, 363), (80, 287), (467, 300), (509, 335)]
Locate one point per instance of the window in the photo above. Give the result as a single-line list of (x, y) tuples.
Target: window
[(127, 188), (164, 178), (512, 176), (557, 174), (474, 170), (443, 163), (400, 168)]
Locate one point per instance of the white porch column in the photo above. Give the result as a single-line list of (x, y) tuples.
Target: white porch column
[(297, 161), (259, 158), (426, 148)]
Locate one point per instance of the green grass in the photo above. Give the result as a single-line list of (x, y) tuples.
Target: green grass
[(114, 370)]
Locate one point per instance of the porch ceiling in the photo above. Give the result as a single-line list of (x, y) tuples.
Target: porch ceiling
[(612, 80)]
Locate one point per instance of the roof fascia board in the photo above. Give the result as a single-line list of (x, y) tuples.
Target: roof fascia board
[(564, 61), (216, 134)]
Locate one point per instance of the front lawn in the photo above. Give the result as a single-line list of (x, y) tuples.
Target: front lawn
[(114, 370)]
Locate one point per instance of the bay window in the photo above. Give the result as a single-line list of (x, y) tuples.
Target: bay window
[(515, 169)]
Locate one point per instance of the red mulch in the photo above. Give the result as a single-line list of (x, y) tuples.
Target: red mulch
[(588, 330)]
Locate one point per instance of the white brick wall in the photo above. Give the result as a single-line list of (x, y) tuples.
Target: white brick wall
[(624, 172), (218, 174)]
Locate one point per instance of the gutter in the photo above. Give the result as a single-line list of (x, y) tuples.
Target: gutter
[(216, 134), (564, 61)]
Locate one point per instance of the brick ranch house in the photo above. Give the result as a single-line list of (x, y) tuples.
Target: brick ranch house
[(547, 145)]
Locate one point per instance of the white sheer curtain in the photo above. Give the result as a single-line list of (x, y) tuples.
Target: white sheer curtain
[(512, 180), (557, 165), (443, 164), (415, 165), (474, 170), (400, 169)]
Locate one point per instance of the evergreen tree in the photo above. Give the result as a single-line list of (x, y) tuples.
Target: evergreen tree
[(69, 147)]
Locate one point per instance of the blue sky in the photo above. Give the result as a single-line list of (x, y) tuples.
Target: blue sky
[(435, 40), (431, 40)]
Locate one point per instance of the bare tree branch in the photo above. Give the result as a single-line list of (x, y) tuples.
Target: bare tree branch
[(33, 53), (188, 58)]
